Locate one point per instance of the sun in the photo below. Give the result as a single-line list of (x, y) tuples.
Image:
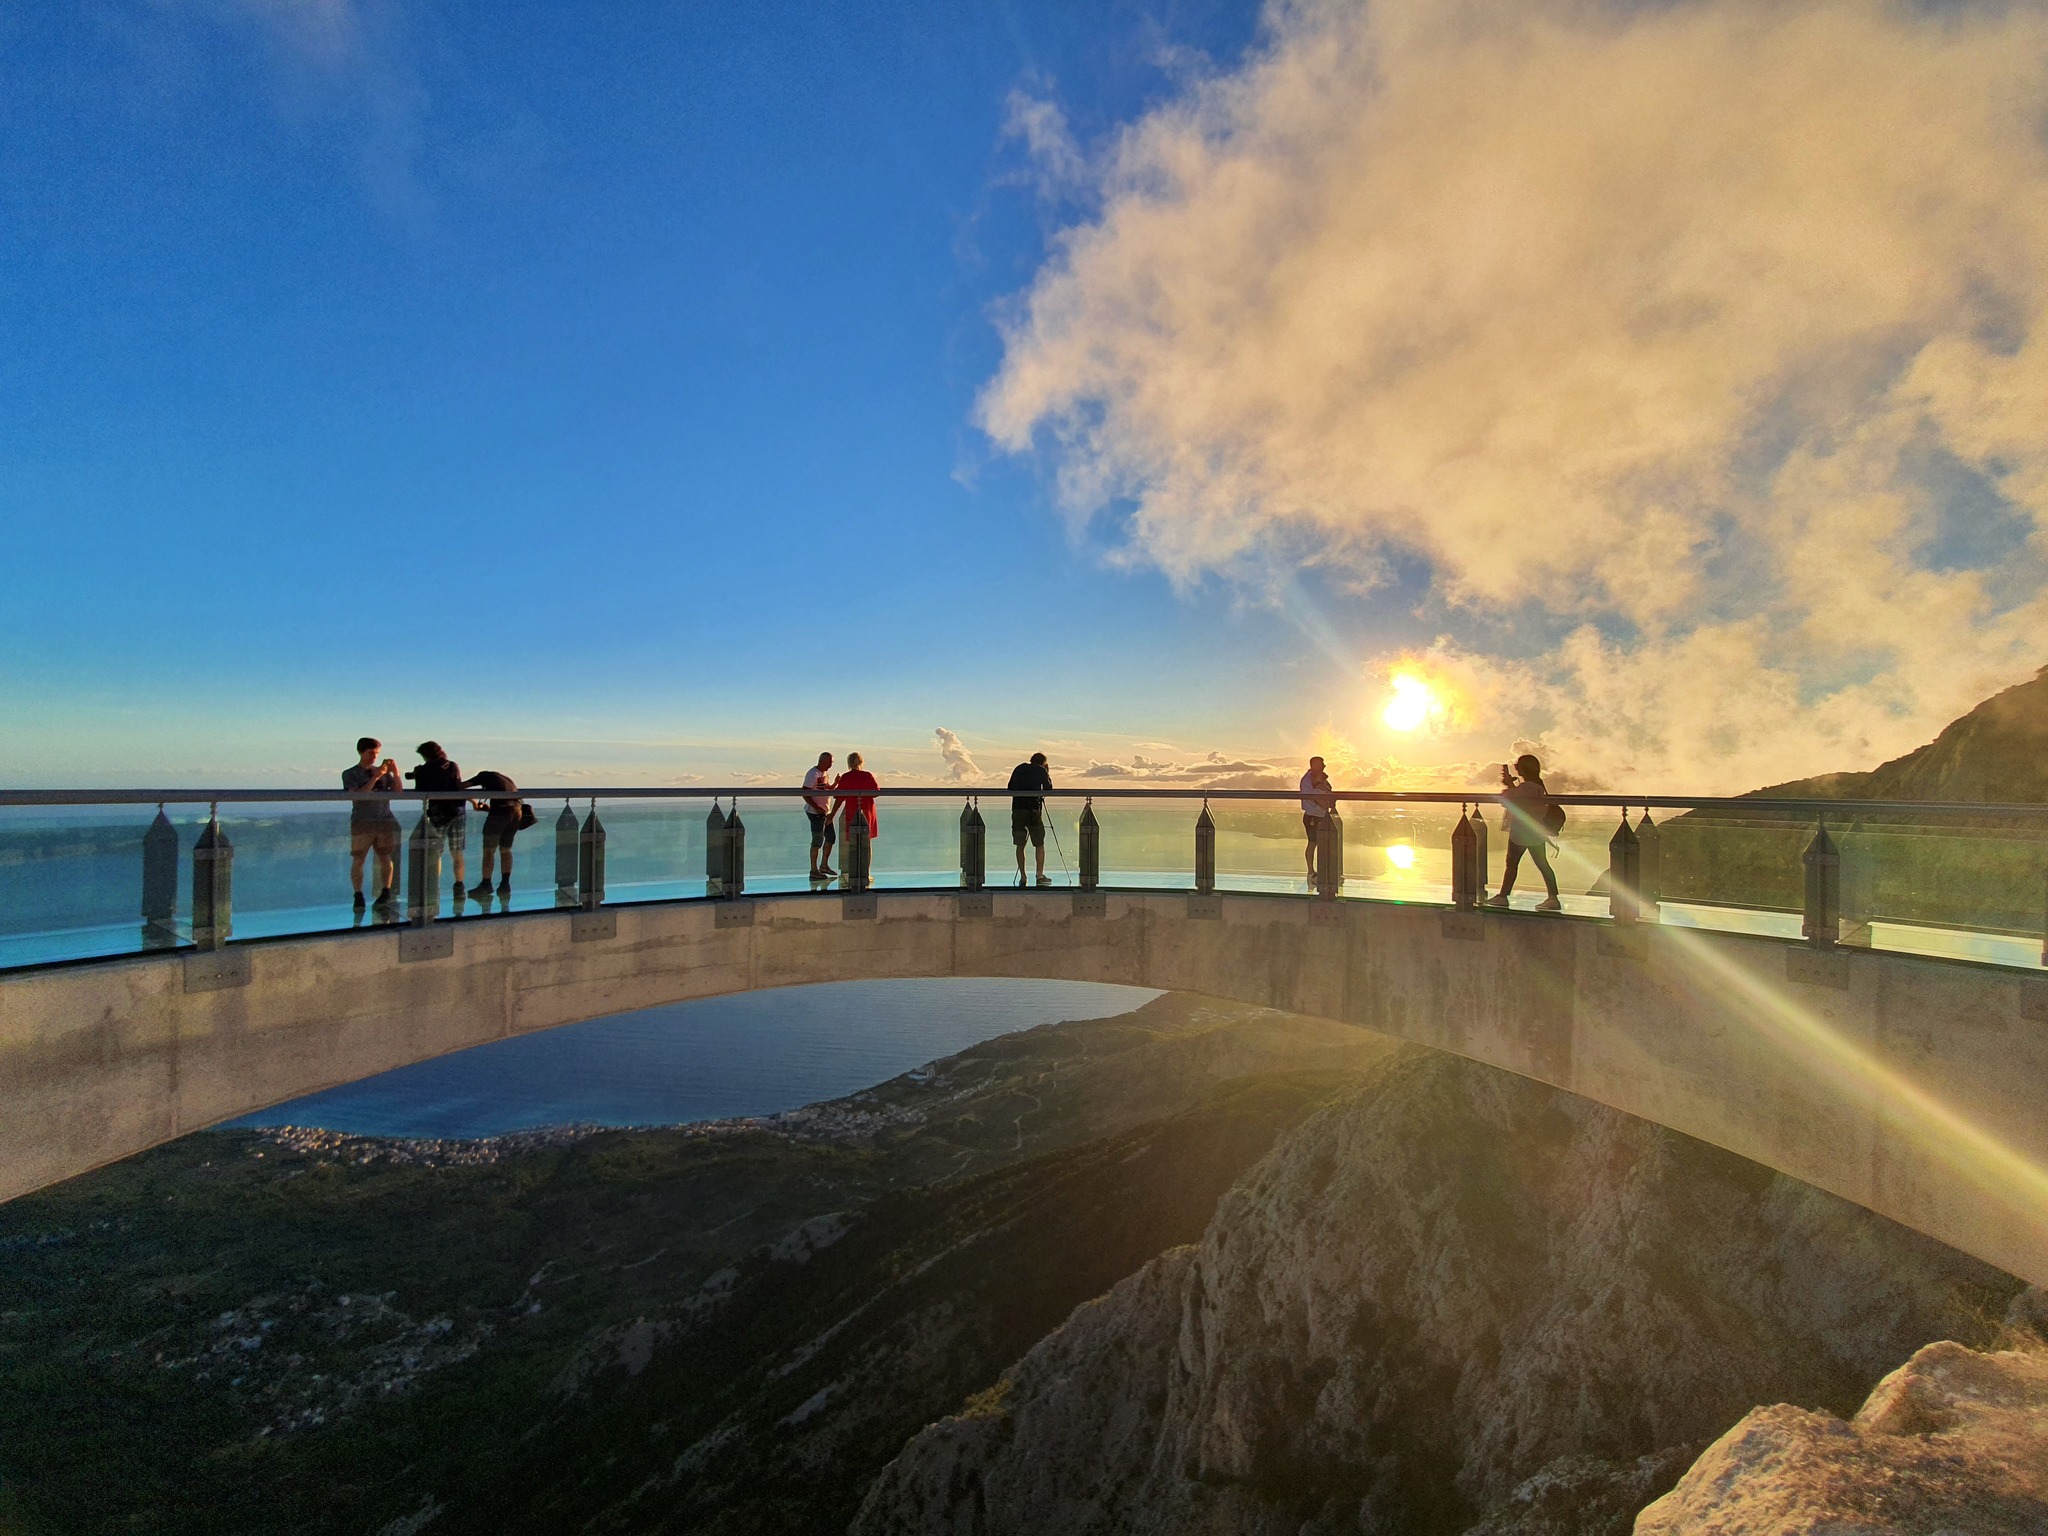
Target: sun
[(1413, 705), (1401, 855)]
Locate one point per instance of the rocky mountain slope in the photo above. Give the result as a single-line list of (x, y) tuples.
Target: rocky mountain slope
[(1998, 751), (722, 1327), (1456, 1301)]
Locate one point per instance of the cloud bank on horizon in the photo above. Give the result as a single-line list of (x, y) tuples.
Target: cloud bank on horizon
[(1699, 349)]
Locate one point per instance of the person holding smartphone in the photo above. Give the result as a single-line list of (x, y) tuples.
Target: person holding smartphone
[(372, 828)]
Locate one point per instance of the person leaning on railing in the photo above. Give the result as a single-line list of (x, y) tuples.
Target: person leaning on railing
[(503, 820), (1530, 818)]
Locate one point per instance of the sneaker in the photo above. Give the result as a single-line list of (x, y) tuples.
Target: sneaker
[(827, 872), (1550, 904), (482, 890), (1045, 879), (1494, 901), (359, 901), (505, 886)]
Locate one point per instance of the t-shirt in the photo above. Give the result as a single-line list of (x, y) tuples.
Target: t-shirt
[(367, 812), (442, 775), (1311, 802), (817, 779), (490, 779), (1028, 776)]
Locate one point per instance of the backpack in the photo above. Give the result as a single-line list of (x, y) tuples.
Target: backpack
[(1553, 817)]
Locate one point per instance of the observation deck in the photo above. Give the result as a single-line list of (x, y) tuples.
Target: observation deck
[(1851, 993)]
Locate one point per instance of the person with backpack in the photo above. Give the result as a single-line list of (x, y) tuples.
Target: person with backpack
[(1530, 819), (1027, 812), (504, 819)]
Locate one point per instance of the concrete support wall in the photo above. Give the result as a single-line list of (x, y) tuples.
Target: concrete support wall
[(1918, 1088)]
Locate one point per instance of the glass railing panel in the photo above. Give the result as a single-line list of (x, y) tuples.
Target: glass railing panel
[(1146, 844), (71, 882), (1946, 874), (1395, 852), (1714, 858)]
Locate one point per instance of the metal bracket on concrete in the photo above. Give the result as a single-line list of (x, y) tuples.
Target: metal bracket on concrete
[(584, 927), (977, 903), (1625, 942), (216, 970), (1325, 914), (1206, 904), (735, 914), (856, 905), (1818, 968), (435, 941), (2034, 1001), (1465, 925), (1090, 904)]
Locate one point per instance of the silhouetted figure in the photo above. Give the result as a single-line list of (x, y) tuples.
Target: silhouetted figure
[(502, 821), (1316, 803), (1530, 818), (1027, 812), (372, 828), (447, 819), (819, 809)]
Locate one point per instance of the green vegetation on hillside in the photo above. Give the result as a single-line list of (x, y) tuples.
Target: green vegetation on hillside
[(629, 1331)]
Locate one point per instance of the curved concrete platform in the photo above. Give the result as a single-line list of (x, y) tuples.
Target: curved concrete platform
[(1913, 1087)]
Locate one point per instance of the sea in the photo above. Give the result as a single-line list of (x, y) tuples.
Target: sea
[(754, 1053)]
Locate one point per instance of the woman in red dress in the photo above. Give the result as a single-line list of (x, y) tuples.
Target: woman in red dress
[(856, 778)]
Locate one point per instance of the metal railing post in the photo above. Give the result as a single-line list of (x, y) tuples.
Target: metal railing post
[(715, 848), (1329, 855), (422, 870), (160, 883), (1822, 925), (213, 884), (1205, 850), (735, 852), (973, 848), (590, 862), (1624, 872), (567, 834), (1464, 845), (1090, 839), (856, 860), (1649, 867)]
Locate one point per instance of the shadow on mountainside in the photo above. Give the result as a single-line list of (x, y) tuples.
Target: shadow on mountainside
[(1456, 1301), (246, 1332)]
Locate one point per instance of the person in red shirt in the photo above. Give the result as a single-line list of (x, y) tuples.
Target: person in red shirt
[(863, 806)]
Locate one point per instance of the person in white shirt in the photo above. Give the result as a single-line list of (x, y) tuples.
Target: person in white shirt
[(1316, 803), (819, 809)]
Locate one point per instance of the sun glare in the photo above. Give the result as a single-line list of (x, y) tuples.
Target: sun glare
[(1401, 856), (1413, 703)]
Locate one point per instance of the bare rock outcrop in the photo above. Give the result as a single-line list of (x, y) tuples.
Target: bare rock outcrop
[(1953, 1443), (1455, 1299)]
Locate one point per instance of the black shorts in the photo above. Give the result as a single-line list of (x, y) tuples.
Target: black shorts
[(822, 835), (1027, 825), (500, 827), (1312, 825)]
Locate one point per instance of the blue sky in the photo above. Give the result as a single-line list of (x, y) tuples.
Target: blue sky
[(589, 387)]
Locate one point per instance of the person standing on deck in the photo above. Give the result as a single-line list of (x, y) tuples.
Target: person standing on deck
[(1027, 812), (1530, 817), (856, 778), (371, 825), (819, 809), (1316, 803)]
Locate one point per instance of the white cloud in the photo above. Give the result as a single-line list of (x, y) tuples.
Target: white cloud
[(1708, 340), (960, 764)]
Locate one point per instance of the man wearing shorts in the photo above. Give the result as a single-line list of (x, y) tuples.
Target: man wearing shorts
[(501, 825), (819, 809), (447, 819), (371, 826), (1027, 812)]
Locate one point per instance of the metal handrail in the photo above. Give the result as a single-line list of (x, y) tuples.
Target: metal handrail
[(56, 797)]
